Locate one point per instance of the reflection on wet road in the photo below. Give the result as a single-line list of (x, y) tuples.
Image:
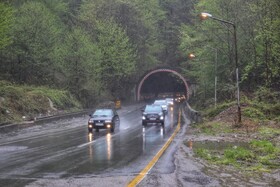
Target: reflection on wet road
[(72, 151)]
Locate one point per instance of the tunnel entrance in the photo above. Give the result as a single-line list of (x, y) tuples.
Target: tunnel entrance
[(162, 83)]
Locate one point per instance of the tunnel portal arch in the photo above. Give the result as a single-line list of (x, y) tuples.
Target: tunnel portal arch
[(162, 70)]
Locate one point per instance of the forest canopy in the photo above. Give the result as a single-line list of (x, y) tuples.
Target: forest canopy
[(98, 49)]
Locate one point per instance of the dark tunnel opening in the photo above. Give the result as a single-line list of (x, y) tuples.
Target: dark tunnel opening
[(162, 85)]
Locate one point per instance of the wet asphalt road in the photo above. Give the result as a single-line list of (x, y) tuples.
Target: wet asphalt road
[(66, 149)]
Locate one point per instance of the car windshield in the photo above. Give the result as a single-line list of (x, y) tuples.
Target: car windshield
[(160, 102), (102, 113), (153, 108)]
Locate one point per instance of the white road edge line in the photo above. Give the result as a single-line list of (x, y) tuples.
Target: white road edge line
[(85, 144)]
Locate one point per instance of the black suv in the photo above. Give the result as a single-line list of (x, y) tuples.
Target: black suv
[(103, 119), (153, 114)]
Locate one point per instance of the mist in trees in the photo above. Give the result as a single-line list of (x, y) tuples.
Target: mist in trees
[(98, 49), (258, 33)]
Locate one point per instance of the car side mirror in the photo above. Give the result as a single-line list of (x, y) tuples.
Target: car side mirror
[(142, 110), (89, 115)]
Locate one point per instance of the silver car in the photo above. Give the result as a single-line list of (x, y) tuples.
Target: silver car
[(162, 103)]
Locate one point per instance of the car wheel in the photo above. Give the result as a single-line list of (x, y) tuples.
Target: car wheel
[(144, 124), (97, 130), (112, 129)]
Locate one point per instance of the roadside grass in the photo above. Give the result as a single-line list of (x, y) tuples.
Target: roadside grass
[(261, 107), (260, 155), (17, 101), (212, 112), (269, 132), (214, 128), (61, 99), (260, 118)]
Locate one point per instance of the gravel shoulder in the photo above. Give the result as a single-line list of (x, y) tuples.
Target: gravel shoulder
[(188, 170)]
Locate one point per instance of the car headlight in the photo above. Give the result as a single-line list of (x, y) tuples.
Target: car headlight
[(143, 117), (108, 121), (161, 117), (90, 126)]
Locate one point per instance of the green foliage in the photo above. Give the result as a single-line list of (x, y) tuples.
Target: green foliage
[(264, 106), (138, 19), (20, 100), (263, 146), (267, 95), (61, 99), (260, 155), (98, 49), (118, 56), (269, 132), (203, 153), (238, 153), (257, 24), (214, 128), (212, 112), (6, 21), (35, 32), (253, 113), (80, 61)]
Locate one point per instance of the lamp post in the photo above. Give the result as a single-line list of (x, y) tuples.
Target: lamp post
[(204, 16), (216, 59)]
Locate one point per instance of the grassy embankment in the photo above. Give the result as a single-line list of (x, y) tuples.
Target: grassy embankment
[(260, 128), (22, 102)]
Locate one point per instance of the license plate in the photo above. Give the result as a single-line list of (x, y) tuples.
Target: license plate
[(152, 118), (99, 124)]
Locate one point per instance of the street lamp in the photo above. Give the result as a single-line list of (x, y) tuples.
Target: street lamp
[(204, 16), (191, 55)]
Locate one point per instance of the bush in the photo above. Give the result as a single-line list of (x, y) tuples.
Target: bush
[(264, 94), (253, 113)]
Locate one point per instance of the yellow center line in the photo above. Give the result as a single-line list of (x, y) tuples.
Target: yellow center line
[(144, 172)]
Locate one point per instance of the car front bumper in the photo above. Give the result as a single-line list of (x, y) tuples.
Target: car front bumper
[(100, 125), (152, 121)]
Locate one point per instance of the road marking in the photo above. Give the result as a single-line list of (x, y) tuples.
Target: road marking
[(85, 144), (145, 171)]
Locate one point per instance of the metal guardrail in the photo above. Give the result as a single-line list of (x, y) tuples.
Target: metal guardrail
[(40, 120), (47, 119)]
